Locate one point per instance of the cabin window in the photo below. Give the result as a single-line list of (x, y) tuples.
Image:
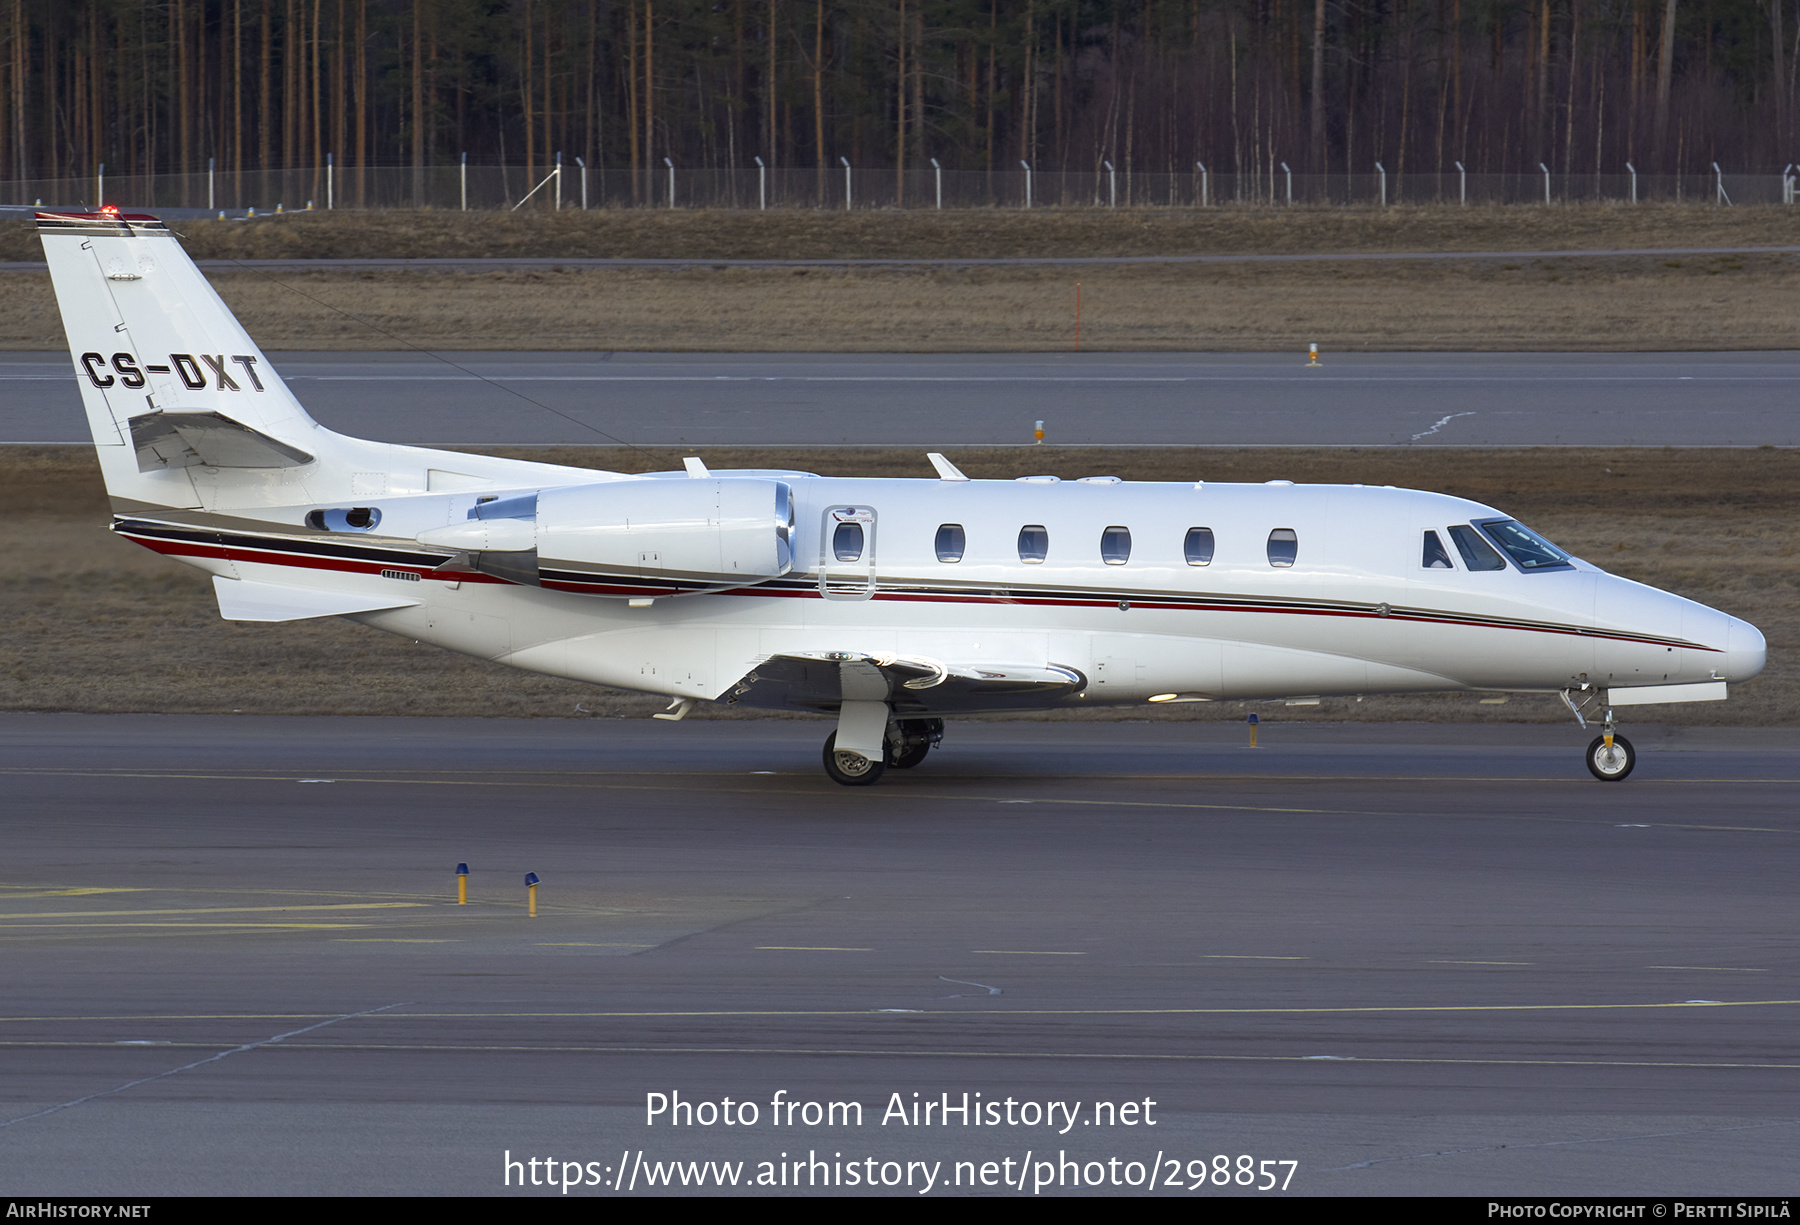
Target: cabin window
[(847, 542), (1034, 544), (1528, 549), (1284, 547), (1115, 546), (1436, 557), (1477, 554), (1199, 546), (950, 542)]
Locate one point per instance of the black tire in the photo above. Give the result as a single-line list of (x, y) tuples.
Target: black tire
[(909, 757), (842, 767), (1611, 766), (916, 740)]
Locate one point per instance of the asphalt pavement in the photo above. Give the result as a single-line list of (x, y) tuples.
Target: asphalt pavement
[(938, 400), (1356, 960)]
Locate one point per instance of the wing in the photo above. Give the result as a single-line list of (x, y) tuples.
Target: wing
[(911, 684)]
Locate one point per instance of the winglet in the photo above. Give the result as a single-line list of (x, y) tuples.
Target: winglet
[(945, 469), (696, 467)]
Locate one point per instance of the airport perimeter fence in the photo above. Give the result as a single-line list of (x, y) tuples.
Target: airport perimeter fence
[(492, 188)]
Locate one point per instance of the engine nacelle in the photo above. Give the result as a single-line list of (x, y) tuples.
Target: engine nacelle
[(634, 538)]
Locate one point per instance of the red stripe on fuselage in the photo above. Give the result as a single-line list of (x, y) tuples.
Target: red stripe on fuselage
[(185, 548)]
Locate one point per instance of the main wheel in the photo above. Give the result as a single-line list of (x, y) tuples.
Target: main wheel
[(916, 739), (1609, 765), (850, 769)]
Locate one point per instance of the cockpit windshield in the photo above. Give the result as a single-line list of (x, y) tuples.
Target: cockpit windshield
[(1528, 550)]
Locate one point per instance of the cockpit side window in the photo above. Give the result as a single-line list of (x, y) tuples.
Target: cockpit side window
[(1477, 553), (1436, 557)]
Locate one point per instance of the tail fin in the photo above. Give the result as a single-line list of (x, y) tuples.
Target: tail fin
[(168, 376)]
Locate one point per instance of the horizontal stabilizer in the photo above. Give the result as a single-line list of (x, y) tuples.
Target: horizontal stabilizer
[(242, 600), (174, 439)]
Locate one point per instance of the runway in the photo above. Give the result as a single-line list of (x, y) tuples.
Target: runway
[(937, 400), (1405, 959)]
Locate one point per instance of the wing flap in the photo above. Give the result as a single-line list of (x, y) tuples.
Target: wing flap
[(245, 600)]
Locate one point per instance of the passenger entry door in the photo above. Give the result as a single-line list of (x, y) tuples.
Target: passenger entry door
[(847, 553)]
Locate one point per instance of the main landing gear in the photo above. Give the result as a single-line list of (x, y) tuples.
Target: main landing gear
[(906, 744), (1610, 758)]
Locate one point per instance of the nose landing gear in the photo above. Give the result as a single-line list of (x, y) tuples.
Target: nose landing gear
[(1610, 757)]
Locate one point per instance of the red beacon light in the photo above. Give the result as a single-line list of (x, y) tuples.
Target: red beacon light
[(110, 208)]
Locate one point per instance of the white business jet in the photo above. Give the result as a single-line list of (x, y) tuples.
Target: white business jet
[(893, 604)]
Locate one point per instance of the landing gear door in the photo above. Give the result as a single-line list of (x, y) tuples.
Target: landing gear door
[(847, 553)]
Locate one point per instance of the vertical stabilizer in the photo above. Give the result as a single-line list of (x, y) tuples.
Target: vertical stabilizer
[(154, 348)]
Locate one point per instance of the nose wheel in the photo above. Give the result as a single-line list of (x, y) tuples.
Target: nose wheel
[(1610, 758)]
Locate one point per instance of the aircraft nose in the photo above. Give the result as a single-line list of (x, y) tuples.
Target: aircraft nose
[(1745, 651)]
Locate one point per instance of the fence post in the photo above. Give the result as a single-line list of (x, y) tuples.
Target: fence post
[(330, 181), (1203, 184), (463, 174), (846, 162), (100, 185), (1787, 184), (209, 185), (939, 171), (1290, 182), (1546, 171), (556, 189), (582, 166), (1719, 179), (1379, 169), (671, 166), (1027, 166), (1633, 170), (1462, 187), (1112, 178), (762, 184)]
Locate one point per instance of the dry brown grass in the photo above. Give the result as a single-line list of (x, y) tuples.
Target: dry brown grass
[(91, 623), (1622, 303), (966, 234), (1631, 303)]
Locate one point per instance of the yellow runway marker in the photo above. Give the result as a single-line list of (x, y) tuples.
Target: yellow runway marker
[(183, 924), (108, 914), (32, 892)]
